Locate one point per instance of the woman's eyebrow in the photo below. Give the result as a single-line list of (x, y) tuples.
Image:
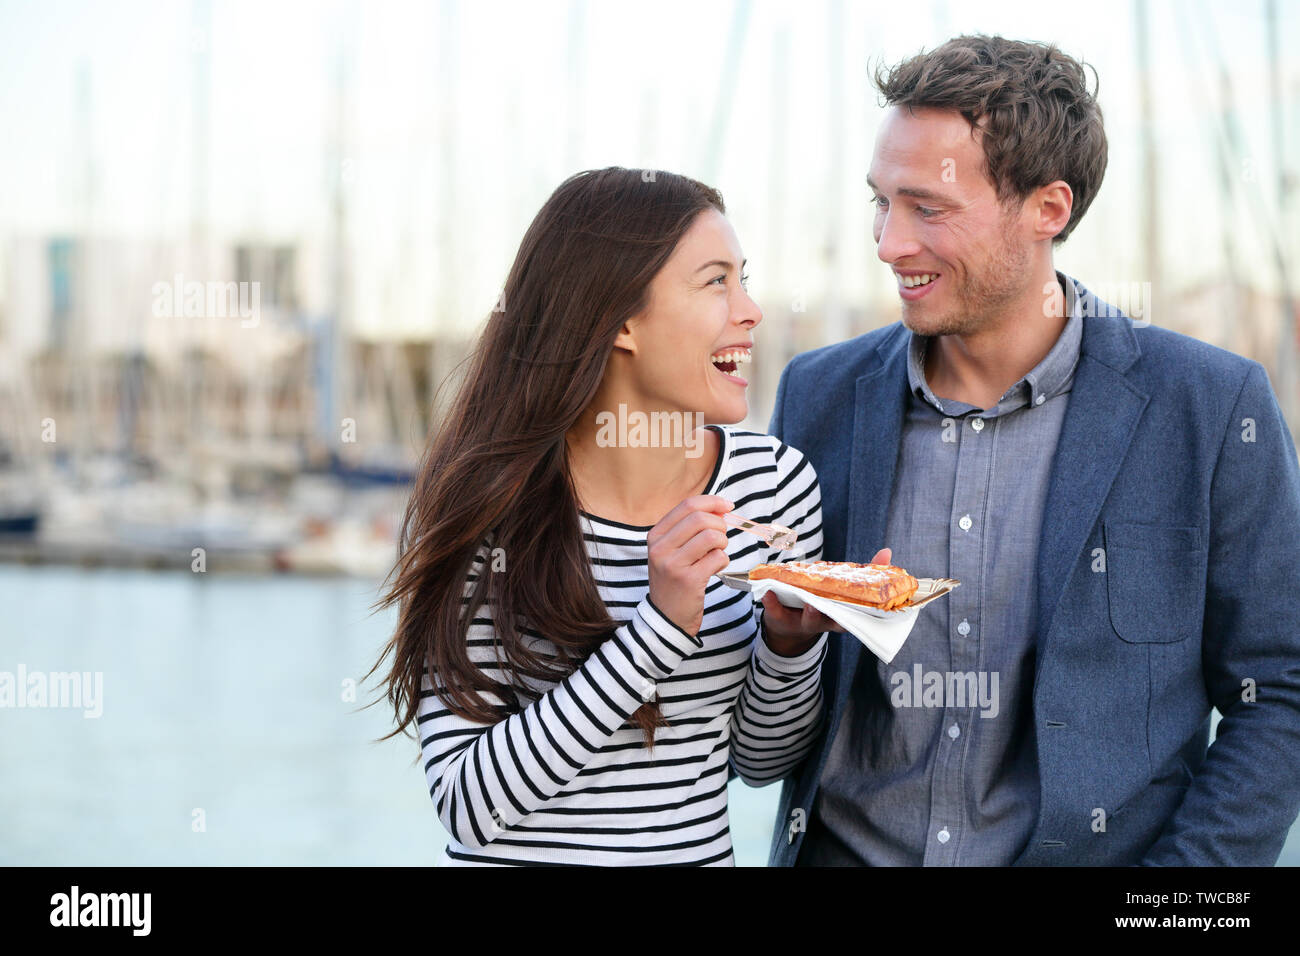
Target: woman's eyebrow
[(724, 263)]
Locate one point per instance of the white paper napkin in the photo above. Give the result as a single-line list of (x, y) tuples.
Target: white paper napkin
[(881, 632)]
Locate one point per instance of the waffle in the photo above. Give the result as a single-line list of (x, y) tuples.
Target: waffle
[(876, 585)]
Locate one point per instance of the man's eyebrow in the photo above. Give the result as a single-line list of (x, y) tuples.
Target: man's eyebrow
[(724, 263), (916, 192)]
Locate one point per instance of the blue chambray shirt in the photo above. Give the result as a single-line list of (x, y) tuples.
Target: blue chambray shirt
[(934, 761)]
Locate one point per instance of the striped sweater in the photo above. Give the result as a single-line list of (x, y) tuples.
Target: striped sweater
[(568, 780)]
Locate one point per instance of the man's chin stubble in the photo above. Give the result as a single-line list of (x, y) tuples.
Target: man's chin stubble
[(944, 325)]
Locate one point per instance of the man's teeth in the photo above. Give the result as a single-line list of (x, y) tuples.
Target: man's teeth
[(912, 282), (735, 358)]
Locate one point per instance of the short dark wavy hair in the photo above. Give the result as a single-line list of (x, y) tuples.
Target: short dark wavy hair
[(1040, 122)]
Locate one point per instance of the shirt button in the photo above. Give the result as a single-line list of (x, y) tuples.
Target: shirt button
[(977, 424), (944, 835), (954, 731), (964, 523), (1040, 399), (963, 628)]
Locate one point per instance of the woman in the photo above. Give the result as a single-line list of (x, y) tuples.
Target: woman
[(597, 725)]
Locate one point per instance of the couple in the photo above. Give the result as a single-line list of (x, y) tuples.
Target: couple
[(1121, 504)]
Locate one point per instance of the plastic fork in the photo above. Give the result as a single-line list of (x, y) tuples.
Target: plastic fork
[(774, 534)]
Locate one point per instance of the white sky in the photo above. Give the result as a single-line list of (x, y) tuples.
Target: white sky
[(642, 91)]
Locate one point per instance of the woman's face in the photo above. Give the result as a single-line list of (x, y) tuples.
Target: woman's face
[(689, 349)]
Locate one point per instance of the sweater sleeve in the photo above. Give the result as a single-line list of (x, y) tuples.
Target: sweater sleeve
[(484, 778), (779, 711)]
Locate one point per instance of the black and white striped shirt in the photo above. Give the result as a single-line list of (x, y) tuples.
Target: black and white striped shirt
[(568, 780)]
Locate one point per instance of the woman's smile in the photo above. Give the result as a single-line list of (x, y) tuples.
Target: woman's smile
[(728, 361)]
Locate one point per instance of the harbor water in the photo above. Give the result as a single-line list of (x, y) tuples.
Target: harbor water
[(231, 727)]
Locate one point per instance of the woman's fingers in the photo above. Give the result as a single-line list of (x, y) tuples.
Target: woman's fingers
[(692, 505), (686, 520), (883, 556), (791, 622), (712, 563), (701, 544), (790, 616), (776, 609), (687, 547), (817, 622), (813, 621)]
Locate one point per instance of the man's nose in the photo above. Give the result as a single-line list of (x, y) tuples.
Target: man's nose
[(894, 240)]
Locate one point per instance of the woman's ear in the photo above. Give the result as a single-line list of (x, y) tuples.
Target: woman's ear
[(626, 338)]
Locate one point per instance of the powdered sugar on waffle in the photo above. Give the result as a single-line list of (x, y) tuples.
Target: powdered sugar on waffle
[(849, 573)]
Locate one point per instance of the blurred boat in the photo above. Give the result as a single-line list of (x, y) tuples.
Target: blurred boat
[(376, 469), (22, 502), (348, 546)]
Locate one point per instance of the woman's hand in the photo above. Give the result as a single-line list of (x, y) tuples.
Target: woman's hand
[(686, 548), (789, 631)]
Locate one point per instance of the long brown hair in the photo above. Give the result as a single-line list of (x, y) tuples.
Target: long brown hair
[(496, 470)]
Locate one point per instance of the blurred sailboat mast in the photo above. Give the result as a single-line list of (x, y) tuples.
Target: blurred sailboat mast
[(775, 271), (200, 137), (1288, 388), (577, 81), (726, 88), (1150, 180), (336, 391), (446, 301), (195, 412), (72, 336), (836, 318)]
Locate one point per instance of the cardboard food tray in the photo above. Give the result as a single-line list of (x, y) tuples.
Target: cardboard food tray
[(881, 632)]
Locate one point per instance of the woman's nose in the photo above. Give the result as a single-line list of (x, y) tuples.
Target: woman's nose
[(749, 313)]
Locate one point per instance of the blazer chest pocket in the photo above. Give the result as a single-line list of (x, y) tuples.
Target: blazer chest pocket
[(1155, 581)]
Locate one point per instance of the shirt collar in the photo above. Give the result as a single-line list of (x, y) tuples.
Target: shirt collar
[(1050, 377)]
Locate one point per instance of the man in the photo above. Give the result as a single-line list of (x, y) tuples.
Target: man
[(1121, 504)]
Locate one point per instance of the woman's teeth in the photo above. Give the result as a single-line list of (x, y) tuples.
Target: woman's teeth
[(912, 282), (733, 359)]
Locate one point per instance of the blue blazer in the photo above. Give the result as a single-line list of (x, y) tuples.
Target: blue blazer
[(1168, 568)]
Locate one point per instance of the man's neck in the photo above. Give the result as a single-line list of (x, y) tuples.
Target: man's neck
[(980, 367)]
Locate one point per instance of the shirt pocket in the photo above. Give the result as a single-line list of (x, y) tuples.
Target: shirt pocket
[(1155, 581)]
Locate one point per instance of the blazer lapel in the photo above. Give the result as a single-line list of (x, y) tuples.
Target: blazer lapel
[(878, 408), (1098, 428)]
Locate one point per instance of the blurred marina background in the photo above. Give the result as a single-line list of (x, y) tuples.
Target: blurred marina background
[(199, 494)]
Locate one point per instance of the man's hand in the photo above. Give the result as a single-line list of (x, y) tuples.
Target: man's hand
[(789, 631)]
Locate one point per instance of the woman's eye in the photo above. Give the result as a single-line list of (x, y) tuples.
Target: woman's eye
[(720, 279), (744, 283)]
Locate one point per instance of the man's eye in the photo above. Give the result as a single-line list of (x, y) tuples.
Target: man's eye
[(879, 201), (926, 211)]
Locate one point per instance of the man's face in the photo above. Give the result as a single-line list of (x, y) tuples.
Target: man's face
[(937, 214)]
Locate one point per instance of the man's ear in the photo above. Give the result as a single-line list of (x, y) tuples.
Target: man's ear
[(1052, 205)]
